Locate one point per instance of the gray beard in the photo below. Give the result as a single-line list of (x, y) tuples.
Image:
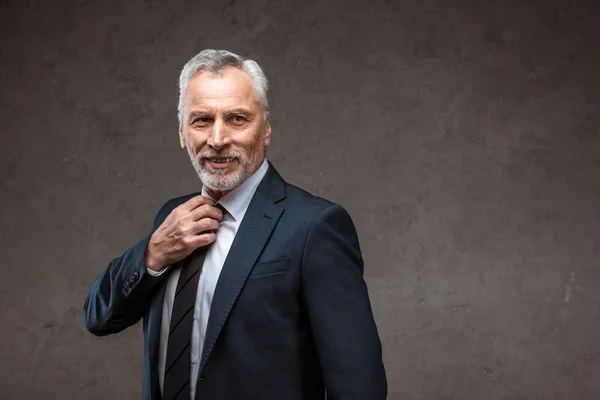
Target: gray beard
[(218, 181)]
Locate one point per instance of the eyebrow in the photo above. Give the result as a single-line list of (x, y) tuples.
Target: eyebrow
[(195, 114), (240, 111), (234, 111)]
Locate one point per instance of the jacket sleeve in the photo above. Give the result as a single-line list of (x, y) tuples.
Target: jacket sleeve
[(339, 310), (121, 294)]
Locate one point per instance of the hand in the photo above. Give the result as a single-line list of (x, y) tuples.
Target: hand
[(189, 226)]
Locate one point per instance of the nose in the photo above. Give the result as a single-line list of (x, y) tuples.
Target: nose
[(219, 137)]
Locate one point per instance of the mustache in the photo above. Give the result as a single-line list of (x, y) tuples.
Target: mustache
[(213, 153)]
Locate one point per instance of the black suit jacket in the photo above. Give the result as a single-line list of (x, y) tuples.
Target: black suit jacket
[(290, 317)]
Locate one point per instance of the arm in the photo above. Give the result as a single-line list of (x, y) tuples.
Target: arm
[(120, 295), (339, 310)]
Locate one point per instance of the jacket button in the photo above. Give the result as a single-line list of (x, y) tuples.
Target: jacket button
[(133, 277)]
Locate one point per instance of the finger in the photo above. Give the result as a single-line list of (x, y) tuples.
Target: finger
[(197, 201), (206, 211), (203, 239), (205, 225)]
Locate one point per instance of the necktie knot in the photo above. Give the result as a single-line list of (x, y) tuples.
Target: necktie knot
[(220, 207)]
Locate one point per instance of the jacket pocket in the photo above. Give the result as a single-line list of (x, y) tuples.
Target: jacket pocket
[(271, 267)]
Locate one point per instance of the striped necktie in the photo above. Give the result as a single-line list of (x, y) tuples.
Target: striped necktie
[(178, 362)]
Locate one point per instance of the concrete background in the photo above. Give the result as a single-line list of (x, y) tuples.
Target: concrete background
[(462, 136)]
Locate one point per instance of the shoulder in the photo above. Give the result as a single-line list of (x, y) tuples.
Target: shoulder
[(291, 197), (301, 203), (301, 198), (325, 223), (314, 209)]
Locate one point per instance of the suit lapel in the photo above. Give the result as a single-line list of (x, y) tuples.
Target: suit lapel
[(256, 227)]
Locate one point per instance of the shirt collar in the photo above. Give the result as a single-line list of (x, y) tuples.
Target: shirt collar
[(237, 201)]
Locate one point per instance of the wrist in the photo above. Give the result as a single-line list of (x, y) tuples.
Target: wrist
[(152, 262)]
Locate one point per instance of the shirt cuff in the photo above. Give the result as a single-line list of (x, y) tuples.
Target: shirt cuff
[(158, 273)]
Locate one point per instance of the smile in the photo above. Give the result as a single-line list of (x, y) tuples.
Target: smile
[(220, 160)]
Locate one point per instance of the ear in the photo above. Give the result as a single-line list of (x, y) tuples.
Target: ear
[(267, 139), (181, 137)]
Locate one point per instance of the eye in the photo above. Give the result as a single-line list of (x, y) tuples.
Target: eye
[(238, 119), (201, 121)]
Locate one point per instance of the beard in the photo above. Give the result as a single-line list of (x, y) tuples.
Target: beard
[(225, 180)]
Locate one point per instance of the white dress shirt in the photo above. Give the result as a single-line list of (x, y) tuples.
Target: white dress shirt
[(236, 203)]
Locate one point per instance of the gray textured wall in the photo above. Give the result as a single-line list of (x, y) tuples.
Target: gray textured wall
[(462, 136)]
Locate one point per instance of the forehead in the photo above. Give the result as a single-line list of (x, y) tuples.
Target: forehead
[(226, 89)]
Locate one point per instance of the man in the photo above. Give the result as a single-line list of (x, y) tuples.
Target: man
[(253, 288)]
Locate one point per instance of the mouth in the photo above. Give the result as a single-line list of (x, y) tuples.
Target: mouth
[(220, 162)]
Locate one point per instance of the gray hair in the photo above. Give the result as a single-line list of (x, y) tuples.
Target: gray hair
[(215, 61)]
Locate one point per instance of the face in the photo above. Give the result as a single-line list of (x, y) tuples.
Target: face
[(223, 129)]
